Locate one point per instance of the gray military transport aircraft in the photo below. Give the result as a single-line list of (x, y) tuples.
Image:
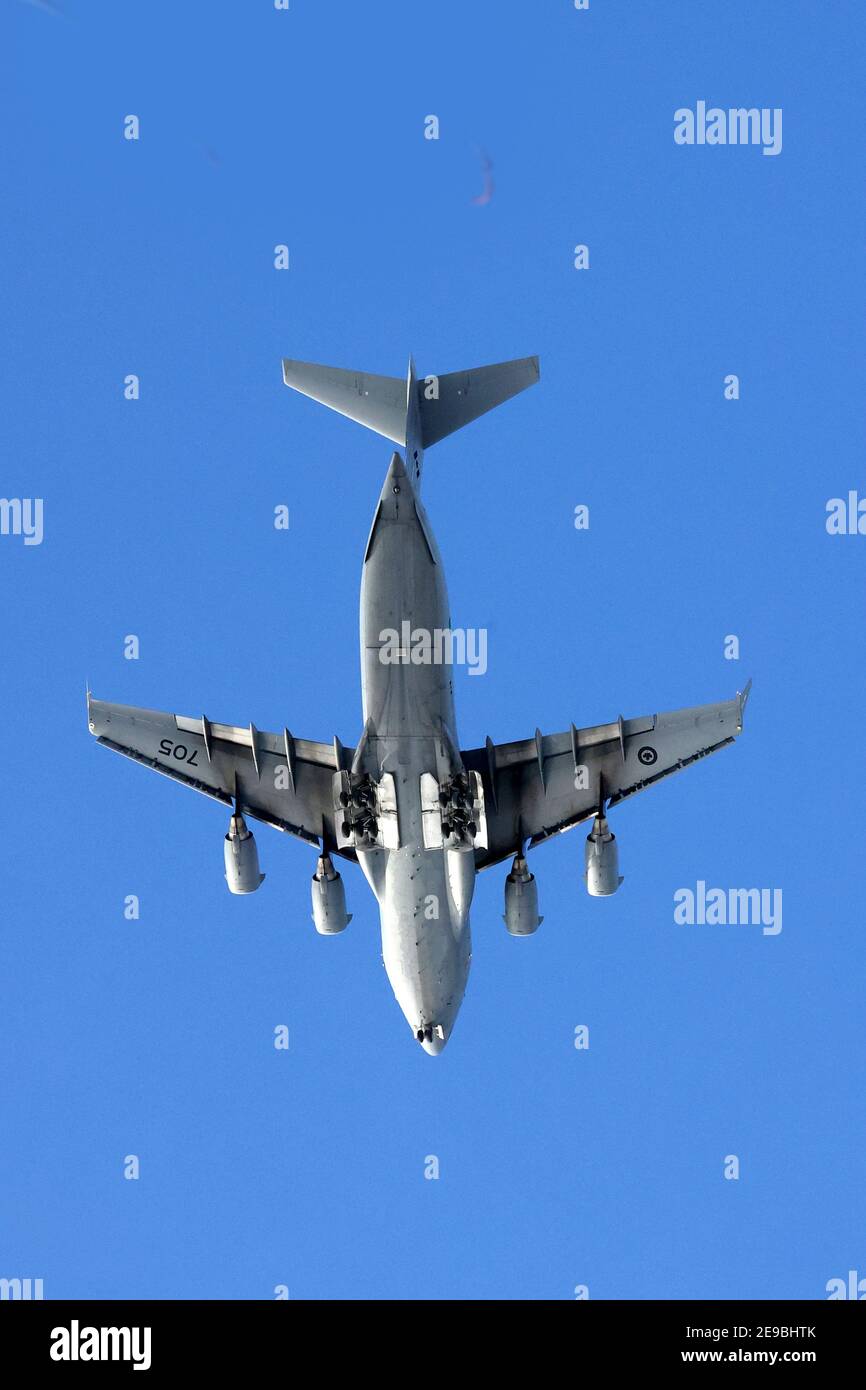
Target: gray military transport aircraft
[(418, 814)]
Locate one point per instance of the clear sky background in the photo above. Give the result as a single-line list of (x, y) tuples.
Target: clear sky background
[(558, 1167)]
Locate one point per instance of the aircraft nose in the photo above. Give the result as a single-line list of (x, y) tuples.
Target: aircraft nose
[(432, 1040)]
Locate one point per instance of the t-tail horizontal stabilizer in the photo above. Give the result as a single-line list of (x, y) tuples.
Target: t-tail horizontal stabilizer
[(447, 403), (382, 403), (379, 402)]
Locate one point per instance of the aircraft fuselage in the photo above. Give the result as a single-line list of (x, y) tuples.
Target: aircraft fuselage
[(423, 894)]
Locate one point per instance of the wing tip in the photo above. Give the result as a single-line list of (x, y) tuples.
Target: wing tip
[(742, 699)]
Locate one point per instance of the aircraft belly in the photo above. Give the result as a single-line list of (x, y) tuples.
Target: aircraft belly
[(424, 895)]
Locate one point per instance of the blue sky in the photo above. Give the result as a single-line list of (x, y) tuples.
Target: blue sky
[(558, 1167)]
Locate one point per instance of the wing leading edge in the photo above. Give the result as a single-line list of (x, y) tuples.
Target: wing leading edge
[(544, 785)]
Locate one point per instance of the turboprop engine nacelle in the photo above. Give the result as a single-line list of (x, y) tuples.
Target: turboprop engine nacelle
[(521, 900), (242, 857), (602, 860), (329, 899)]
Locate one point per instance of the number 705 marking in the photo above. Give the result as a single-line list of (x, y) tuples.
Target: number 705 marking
[(179, 751)]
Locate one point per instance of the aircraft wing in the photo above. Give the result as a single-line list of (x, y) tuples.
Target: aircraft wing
[(544, 785), (283, 781)]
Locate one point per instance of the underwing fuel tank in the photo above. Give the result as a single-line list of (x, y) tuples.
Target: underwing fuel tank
[(521, 900), (329, 899), (242, 857), (602, 860)]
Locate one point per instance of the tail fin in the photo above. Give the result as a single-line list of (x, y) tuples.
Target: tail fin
[(382, 403)]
